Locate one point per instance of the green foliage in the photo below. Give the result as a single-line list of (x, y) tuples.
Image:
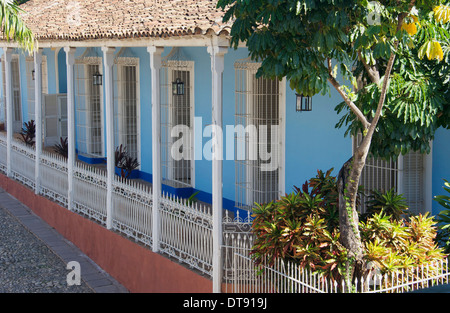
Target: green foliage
[(294, 229), (324, 187), (443, 218), (389, 202), (417, 99), (28, 133), (444, 200), (62, 148), (393, 245), (13, 27), (295, 39), (192, 198), (303, 227)]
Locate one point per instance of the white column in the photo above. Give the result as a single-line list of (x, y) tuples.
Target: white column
[(155, 66), (70, 62), (38, 116), (217, 66), (108, 59), (9, 108)]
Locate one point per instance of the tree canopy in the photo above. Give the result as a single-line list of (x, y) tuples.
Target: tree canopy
[(318, 45), (418, 96)]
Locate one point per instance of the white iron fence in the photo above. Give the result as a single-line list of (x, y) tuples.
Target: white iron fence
[(288, 277), (54, 181), (3, 153), (186, 232), (89, 192), (132, 214), (185, 229), (22, 166)]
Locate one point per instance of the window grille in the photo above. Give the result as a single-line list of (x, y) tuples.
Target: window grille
[(177, 113), (17, 100), (30, 83), (378, 174), (126, 103), (89, 109), (258, 113), (413, 182), (405, 175)]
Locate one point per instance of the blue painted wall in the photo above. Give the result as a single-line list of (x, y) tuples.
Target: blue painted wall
[(441, 165)]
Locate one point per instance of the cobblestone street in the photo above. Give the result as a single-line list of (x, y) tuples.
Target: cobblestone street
[(34, 257)]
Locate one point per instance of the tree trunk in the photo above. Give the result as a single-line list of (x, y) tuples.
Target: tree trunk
[(348, 183)]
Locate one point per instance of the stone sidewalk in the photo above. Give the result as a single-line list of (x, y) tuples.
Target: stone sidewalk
[(34, 256)]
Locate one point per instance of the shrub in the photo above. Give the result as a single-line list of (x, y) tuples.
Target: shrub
[(28, 133), (125, 162), (389, 202), (62, 148), (398, 244), (443, 219), (303, 227)]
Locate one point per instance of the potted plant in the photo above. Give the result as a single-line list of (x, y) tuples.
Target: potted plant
[(28, 133), (62, 148), (125, 164)]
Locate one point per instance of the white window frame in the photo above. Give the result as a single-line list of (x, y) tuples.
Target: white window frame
[(251, 68), (122, 62), (17, 125), (31, 83), (169, 66), (85, 62)]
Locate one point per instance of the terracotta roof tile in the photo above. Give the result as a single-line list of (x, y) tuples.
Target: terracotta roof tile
[(87, 19)]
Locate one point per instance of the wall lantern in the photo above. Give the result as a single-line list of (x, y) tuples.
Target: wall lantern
[(303, 103), (33, 72), (97, 79), (178, 87)]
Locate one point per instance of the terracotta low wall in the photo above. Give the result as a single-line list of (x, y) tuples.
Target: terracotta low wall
[(135, 267)]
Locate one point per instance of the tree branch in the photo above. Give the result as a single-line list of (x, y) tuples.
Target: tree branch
[(373, 73), (368, 138), (347, 100)]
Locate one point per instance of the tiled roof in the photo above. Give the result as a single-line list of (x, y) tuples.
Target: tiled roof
[(94, 19)]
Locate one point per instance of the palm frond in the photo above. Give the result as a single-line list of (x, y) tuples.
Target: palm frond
[(13, 27)]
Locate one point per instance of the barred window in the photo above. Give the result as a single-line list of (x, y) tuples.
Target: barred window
[(30, 73), (126, 104), (89, 109), (177, 111), (16, 93), (258, 147), (405, 175)]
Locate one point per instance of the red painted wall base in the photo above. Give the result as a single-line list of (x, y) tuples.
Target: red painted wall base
[(136, 267)]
